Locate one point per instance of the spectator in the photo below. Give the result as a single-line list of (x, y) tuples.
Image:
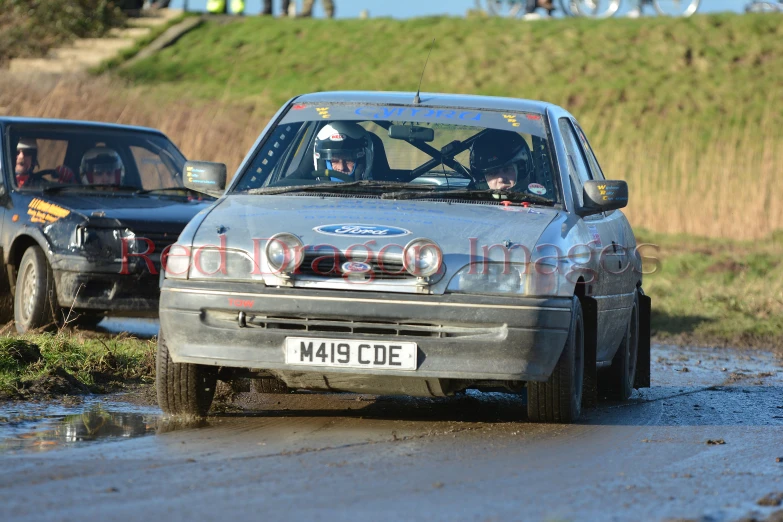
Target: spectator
[(267, 10), (307, 8)]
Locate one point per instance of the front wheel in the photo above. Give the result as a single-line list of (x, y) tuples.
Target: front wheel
[(559, 399), (676, 7), (183, 388), (35, 302), (619, 382)]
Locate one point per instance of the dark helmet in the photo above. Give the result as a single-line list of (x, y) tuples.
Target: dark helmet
[(344, 140), (496, 149), (101, 160)]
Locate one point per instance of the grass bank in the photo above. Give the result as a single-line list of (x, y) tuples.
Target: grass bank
[(715, 292), (69, 363)]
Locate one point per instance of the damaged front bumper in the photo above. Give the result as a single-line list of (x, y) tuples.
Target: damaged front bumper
[(130, 289)]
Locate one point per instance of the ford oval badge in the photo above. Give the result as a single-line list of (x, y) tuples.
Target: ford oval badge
[(355, 267), (355, 230)]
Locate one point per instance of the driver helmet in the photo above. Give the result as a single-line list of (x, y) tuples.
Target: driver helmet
[(100, 160), (345, 141), (496, 150)]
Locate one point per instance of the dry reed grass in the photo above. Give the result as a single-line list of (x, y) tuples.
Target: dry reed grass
[(726, 187)]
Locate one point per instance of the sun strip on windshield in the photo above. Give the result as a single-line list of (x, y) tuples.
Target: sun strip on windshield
[(524, 122)]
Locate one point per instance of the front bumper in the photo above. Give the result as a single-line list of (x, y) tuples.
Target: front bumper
[(458, 336), (133, 294)]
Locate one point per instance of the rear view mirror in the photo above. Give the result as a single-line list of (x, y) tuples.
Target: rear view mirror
[(411, 133), (603, 195), (205, 176)]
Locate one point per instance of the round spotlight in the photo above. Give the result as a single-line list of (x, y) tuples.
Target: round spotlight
[(284, 252), (422, 257)]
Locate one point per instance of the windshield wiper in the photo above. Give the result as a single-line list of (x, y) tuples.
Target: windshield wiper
[(486, 195), (173, 189), (61, 188), (349, 186)]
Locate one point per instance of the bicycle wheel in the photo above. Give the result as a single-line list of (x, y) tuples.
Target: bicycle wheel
[(676, 7), (595, 8), (762, 7), (568, 8), (507, 8)]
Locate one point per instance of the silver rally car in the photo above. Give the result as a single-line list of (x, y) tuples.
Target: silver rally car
[(389, 244)]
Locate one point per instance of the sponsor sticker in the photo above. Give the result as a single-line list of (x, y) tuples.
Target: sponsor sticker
[(537, 188), (41, 211), (337, 137)]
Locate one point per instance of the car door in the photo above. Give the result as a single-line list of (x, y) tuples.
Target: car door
[(602, 227)]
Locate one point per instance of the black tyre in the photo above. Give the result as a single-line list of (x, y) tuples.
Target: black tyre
[(35, 302), (619, 380), (183, 389), (559, 399)]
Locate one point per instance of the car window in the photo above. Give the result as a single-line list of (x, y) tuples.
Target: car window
[(92, 157), (577, 165), (406, 145), (591, 159), (154, 171)]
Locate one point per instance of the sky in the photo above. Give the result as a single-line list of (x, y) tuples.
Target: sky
[(413, 8)]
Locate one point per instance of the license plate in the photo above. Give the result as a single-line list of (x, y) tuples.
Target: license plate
[(345, 353)]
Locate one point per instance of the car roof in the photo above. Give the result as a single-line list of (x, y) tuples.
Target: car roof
[(428, 99), (92, 125)]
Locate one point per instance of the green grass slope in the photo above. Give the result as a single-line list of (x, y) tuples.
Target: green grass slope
[(700, 70)]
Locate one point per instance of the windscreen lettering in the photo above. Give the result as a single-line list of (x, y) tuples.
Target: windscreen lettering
[(402, 112)]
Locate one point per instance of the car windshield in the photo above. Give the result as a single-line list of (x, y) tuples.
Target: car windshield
[(405, 152), (73, 157)]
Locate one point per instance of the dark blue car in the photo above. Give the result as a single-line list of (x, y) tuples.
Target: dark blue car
[(87, 210)]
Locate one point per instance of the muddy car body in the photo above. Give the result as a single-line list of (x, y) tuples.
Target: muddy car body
[(74, 248), (401, 267)]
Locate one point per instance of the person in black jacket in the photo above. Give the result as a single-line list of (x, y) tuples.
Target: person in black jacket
[(267, 10)]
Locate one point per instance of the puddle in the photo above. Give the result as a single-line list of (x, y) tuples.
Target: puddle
[(140, 327), (27, 426)]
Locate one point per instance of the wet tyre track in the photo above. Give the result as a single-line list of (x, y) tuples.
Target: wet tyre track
[(331, 457)]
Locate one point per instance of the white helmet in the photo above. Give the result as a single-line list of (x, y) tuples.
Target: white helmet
[(344, 140), (101, 160)]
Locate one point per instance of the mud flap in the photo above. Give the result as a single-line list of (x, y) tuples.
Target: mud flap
[(590, 383), (642, 379)]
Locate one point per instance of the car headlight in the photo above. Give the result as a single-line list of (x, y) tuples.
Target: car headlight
[(531, 279), (422, 257), (104, 242), (220, 263), (284, 252), (489, 278), (175, 262)]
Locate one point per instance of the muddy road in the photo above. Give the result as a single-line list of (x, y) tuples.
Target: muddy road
[(701, 444)]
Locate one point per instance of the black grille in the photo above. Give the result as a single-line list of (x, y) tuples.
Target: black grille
[(329, 264), (160, 240), (371, 327)]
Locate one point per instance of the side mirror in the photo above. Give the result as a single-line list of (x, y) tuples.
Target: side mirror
[(603, 195), (205, 176)]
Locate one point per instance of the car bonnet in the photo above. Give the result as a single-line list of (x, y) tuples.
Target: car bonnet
[(344, 222)]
